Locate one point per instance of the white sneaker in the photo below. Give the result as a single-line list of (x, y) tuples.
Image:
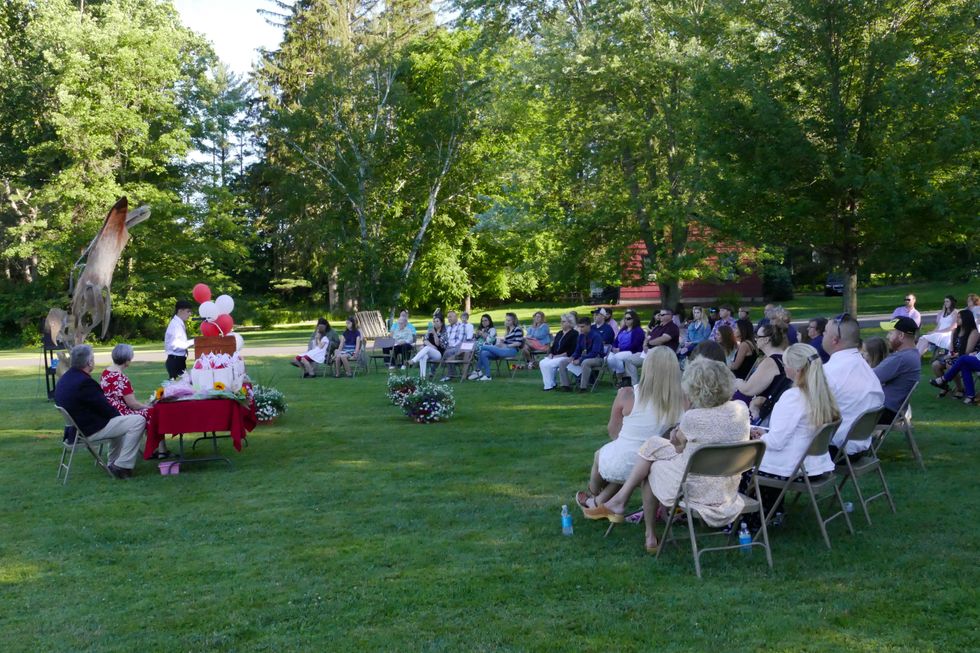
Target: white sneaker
[(403, 367), (484, 378), (474, 375), (443, 379), (391, 367)]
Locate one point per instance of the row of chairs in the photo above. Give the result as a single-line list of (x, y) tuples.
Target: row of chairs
[(725, 460)]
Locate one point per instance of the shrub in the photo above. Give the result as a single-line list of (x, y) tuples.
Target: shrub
[(777, 283)]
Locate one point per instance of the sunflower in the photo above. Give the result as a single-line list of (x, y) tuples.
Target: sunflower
[(219, 386), (158, 394)]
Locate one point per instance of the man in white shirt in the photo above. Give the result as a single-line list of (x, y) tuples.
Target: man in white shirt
[(852, 381), (467, 327), (175, 341), (455, 334), (908, 310)]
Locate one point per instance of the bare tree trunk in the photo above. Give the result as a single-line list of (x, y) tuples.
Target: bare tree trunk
[(850, 290), (467, 304), (670, 294), (332, 299)]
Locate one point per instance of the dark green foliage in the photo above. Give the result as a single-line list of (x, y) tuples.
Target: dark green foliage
[(777, 283)]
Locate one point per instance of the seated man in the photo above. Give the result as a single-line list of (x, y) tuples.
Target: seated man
[(852, 382), (603, 328), (908, 310), (814, 332), (900, 371), (663, 332), (81, 396), (587, 356)]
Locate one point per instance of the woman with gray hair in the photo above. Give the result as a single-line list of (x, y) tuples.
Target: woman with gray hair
[(119, 391), (712, 419)]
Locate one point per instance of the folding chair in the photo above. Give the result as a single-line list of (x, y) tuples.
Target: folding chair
[(862, 429), (461, 362), (902, 422), (600, 373), (69, 449), (360, 364), (818, 445), (377, 354), (512, 363), (720, 460)]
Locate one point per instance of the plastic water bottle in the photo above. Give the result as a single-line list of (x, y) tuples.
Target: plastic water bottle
[(848, 506), (745, 539), (566, 521)]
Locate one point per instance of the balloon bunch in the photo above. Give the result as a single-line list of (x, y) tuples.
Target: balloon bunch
[(216, 314)]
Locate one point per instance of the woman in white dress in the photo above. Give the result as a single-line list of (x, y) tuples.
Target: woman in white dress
[(945, 324), (639, 412), (711, 419), (317, 350)]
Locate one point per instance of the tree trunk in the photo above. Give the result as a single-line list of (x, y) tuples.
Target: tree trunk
[(332, 299), (670, 293), (467, 304), (850, 290)]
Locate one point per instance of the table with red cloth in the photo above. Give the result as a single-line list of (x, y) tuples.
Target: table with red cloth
[(199, 416)]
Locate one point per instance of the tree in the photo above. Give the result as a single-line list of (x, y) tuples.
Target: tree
[(859, 115)]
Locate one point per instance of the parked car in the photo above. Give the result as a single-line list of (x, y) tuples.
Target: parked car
[(834, 285)]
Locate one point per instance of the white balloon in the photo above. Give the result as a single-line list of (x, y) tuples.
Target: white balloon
[(208, 310), (225, 305)]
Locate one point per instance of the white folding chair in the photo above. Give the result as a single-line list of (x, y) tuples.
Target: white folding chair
[(68, 449)]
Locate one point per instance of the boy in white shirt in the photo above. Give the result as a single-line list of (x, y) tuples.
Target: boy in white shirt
[(175, 341)]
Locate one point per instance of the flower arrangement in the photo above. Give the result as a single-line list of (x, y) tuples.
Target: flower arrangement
[(431, 402), (400, 387), (269, 402)]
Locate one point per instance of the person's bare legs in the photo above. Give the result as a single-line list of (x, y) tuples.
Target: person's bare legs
[(599, 488), (650, 505), (617, 502)]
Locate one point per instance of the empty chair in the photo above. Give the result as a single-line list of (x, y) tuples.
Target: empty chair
[(867, 463), (901, 422)]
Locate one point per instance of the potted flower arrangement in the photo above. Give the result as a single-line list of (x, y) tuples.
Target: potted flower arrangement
[(400, 387), (269, 402), (431, 402)]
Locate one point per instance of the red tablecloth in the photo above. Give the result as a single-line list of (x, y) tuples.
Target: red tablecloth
[(198, 416)]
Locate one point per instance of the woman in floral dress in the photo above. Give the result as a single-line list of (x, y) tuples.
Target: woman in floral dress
[(119, 391)]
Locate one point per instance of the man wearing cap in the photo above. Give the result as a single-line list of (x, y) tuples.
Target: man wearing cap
[(908, 310), (900, 370), (725, 319), (603, 328), (663, 332)]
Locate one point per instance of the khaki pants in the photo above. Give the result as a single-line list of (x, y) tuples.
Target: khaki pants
[(125, 433), (588, 366), (632, 365)]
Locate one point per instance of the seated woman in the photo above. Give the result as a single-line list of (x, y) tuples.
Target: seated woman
[(436, 341), (403, 333), (941, 336), (726, 338), (874, 350), (698, 330), (768, 375), (538, 338), (562, 346), (628, 341), (746, 353), (651, 407), (712, 419), (965, 341), (506, 347), (119, 391), (351, 351), (317, 351), (797, 415)]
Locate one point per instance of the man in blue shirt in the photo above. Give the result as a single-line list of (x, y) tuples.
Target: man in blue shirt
[(82, 397), (603, 328), (587, 355), (814, 332)]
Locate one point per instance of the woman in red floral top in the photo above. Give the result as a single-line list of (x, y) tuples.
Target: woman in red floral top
[(119, 391)]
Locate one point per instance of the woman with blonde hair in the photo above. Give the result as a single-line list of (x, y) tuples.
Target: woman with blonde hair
[(712, 419), (649, 408), (800, 411)]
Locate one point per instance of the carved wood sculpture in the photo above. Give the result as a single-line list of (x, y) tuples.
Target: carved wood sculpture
[(91, 299)]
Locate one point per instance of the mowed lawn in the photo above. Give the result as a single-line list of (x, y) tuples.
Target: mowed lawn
[(344, 527)]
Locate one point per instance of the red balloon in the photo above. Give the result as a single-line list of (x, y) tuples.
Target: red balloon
[(226, 323), (201, 293), (210, 329)]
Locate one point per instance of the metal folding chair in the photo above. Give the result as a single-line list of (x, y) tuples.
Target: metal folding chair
[(377, 354), (902, 422), (862, 429), (812, 488), (68, 449), (720, 460)]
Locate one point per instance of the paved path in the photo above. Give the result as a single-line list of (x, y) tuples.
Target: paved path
[(103, 358)]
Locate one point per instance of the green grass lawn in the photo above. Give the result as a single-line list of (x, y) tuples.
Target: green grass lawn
[(346, 527)]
